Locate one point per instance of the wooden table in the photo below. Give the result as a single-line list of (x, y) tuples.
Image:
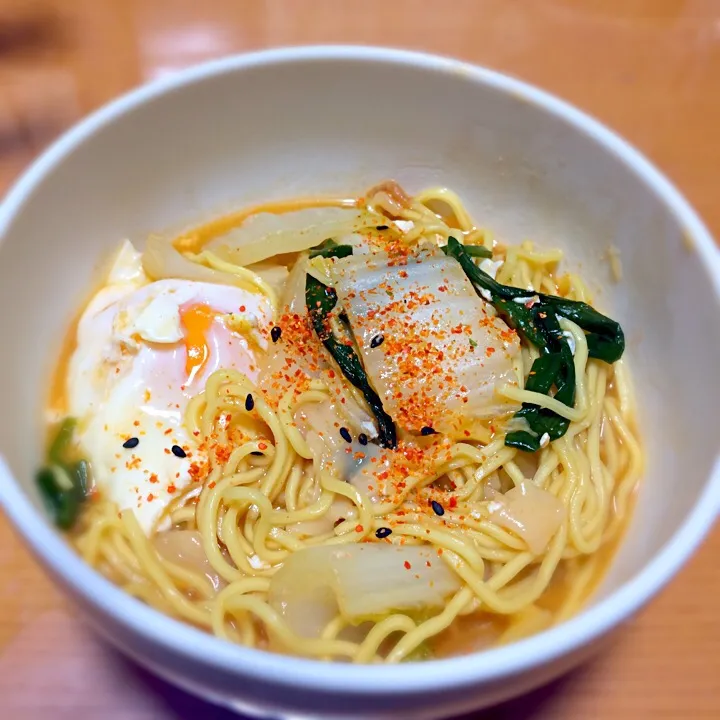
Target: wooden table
[(648, 68)]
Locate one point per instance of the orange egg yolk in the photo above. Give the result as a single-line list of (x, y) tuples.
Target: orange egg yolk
[(196, 320)]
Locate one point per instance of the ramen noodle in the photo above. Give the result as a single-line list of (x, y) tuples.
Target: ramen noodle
[(359, 430)]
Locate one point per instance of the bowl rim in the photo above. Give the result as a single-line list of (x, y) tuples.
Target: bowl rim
[(184, 641)]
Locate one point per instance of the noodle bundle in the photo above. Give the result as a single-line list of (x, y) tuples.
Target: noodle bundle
[(389, 478)]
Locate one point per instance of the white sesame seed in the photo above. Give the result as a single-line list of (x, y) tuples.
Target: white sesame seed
[(544, 440)]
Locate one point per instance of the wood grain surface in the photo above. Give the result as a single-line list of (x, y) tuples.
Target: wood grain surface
[(650, 69)]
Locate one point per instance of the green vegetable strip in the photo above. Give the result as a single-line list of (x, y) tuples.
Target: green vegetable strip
[(539, 324), (63, 482), (329, 248), (61, 443), (523, 440), (321, 301), (605, 337), (556, 368), (63, 505), (523, 319), (478, 251)]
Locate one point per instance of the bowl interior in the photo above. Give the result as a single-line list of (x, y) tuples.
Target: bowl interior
[(279, 129)]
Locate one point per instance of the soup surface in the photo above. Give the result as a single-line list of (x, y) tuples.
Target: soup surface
[(359, 430)]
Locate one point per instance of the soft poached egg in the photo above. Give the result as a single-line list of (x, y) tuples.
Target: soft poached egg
[(143, 350)]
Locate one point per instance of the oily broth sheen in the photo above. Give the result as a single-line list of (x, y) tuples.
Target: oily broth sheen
[(472, 630), (582, 577)]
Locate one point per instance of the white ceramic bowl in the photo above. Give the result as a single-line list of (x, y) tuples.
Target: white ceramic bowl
[(318, 120)]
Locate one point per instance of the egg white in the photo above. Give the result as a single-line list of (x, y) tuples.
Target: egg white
[(127, 379)]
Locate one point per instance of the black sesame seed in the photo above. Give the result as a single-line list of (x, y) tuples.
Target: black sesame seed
[(438, 509), (382, 532), (177, 451), (249, 402), (381, 227), (131, 443), (256, 452), (339, 521), (345, 434), (377, 341), (427, 430), (275, 333), (363, 439)]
